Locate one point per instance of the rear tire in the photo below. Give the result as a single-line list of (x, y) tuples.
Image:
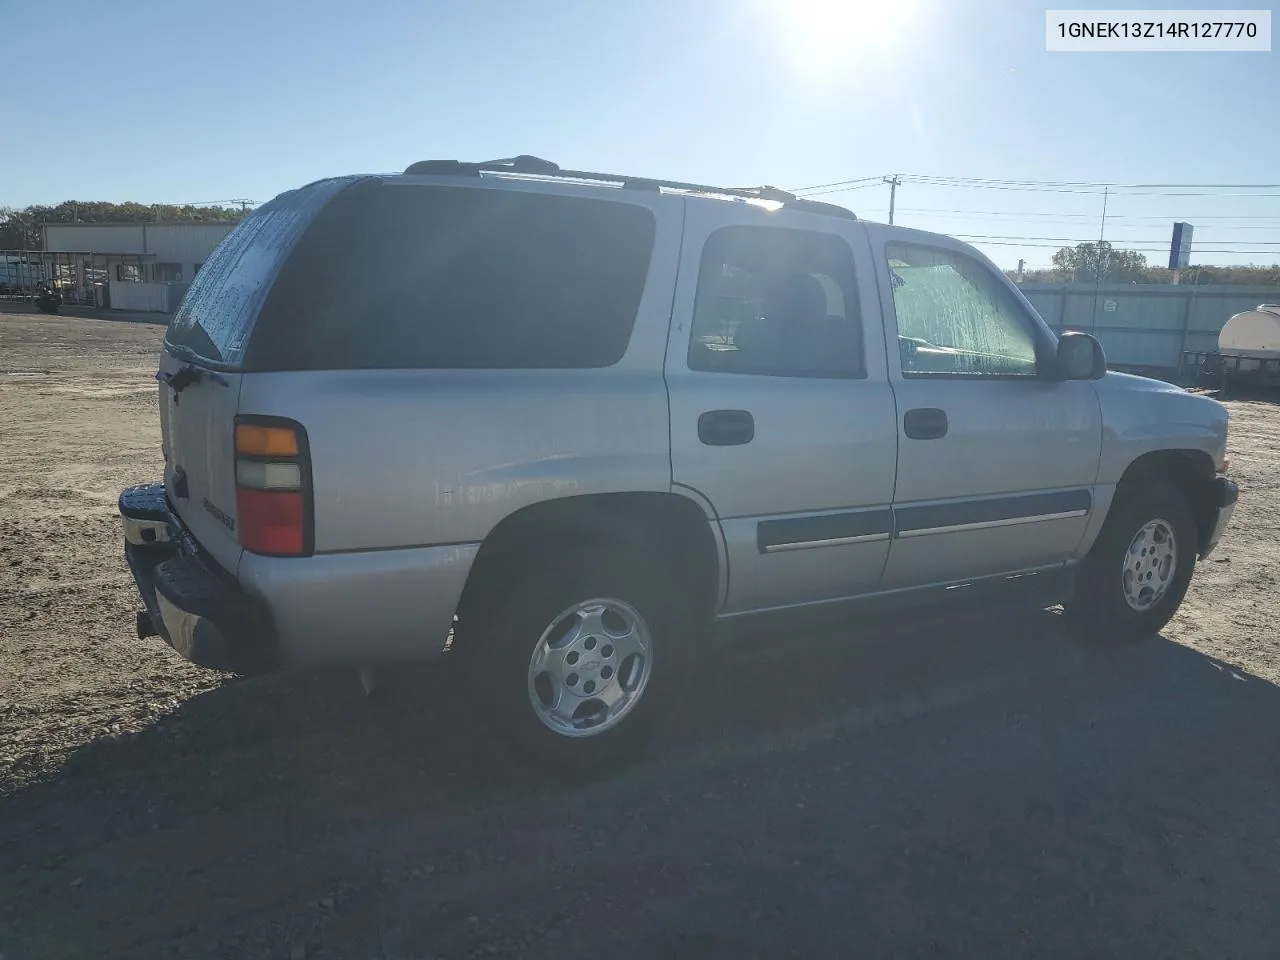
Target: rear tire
[(575, 665), (1135, 577)]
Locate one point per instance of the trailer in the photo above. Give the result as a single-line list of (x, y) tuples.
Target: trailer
[(1248, 354)]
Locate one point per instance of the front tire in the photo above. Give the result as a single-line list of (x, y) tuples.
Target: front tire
[(1135, 577), (576, 664)]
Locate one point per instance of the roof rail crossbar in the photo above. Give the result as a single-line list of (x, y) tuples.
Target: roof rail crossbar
[(536, 166)]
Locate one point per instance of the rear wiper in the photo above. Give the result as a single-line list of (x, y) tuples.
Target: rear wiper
[(186, 375)]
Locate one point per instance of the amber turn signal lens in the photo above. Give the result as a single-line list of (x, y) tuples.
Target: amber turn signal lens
[(263, 441)]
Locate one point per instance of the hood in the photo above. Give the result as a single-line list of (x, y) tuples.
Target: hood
[(1130, 381)]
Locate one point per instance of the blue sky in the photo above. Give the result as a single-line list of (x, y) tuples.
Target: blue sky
[(191, 102)]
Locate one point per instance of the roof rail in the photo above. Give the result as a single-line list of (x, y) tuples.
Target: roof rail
[(536, 166), (520, 164)]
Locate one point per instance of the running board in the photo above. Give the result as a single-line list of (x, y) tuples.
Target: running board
[(1010, 593)]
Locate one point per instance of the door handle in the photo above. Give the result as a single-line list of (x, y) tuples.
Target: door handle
[(726, 428), (925, 423)]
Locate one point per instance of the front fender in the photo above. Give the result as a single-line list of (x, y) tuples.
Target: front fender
[(1141, 416)]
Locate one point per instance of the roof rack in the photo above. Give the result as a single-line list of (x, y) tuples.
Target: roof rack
[(536, 166)]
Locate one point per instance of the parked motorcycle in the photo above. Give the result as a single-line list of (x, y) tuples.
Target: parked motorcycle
[(48, 298)]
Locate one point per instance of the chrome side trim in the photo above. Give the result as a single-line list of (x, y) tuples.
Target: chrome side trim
[(988, 524), (830, 542)]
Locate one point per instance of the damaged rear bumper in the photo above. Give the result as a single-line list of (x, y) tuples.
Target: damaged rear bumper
[(191, 603)]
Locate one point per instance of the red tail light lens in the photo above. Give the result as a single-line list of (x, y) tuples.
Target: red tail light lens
[(273, 501), (271, 522)]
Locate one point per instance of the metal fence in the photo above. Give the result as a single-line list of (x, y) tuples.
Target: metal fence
[(81, 278), (20, 272), (1145, 326)]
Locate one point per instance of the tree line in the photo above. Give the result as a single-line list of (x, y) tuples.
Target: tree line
[(1101, 262), (20, 229)]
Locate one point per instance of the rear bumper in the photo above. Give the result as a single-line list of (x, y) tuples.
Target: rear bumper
[(192, 604), (1225, 495), (359, 608)]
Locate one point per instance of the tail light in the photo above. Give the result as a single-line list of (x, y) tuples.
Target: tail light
[(273, 487)]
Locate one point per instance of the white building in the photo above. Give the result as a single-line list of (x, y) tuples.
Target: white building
[(142, 266)]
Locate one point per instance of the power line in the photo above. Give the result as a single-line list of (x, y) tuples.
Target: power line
[(1052, 186), (1140, 193), (870, 181), (1163, 249), (206, 203), (1045, 215), (1086, 188), (1042, 222), (925, 177), (1126, 192), (1085, 183), (822, 193), (1114, 243)]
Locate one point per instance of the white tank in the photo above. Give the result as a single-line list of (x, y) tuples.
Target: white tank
[(1254, 334)]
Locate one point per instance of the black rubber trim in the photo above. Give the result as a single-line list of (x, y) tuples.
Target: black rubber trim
[(146, 501), (831, 526), (991, 510), (241, 638), (142, 563)]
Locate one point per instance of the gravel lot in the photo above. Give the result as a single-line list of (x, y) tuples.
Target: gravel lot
[(983, 788)]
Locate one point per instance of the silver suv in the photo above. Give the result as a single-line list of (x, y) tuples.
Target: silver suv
[(563, 423)]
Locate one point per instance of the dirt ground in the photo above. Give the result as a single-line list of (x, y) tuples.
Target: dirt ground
[(985, 788)]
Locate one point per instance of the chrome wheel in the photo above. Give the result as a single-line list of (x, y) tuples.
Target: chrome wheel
[(590, 667), (1150, 564)]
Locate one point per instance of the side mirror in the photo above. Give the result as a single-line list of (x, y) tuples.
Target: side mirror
[(1080, 357)]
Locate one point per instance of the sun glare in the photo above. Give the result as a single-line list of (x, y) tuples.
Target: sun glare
[(825, 36)]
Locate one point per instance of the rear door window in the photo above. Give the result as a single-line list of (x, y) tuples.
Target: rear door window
[(396, 275), (777, 302), (217, 314)]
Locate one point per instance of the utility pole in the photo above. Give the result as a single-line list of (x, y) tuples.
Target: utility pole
[(1021, 269), (893, 183), (1102, 232), (1102, 227)]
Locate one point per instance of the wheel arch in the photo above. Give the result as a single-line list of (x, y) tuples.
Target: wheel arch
[(672, 526), (1190, 471)]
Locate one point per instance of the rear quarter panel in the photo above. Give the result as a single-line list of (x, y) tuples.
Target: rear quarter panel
[(414, 458), (405, 458)]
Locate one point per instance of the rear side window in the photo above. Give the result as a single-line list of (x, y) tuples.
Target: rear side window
[(776, 302), (404, 276), (217, 314)]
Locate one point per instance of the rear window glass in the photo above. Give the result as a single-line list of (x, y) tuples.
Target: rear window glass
[(406, 276), (216, 316)]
